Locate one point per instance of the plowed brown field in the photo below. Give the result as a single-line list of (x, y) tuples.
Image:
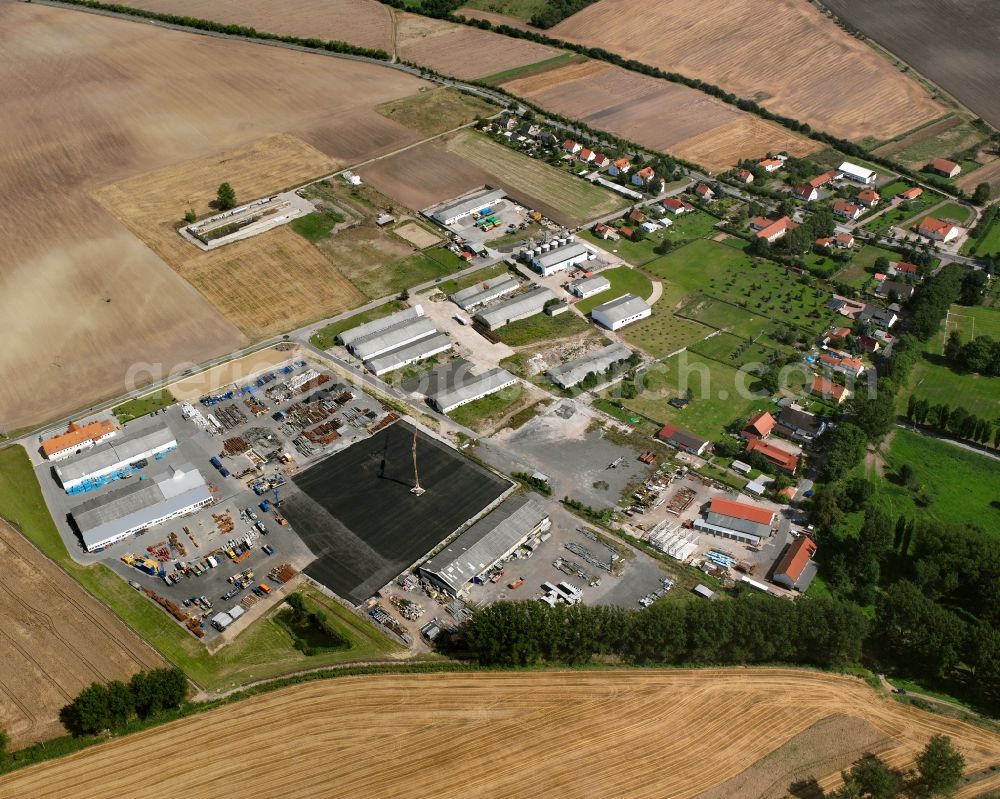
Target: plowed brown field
[(366, 23), (56, 640), (88, 101), (663, 734), (462, 51), (658, 114), (786, 55)]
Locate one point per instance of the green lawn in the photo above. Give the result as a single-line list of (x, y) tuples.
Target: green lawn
[(685, 227), (989, 244), (623, 281), (902, 212), (459, 283), (541, 327), (326, 337), (947, 212), (890, 190), (476, 414), (663, 332), (978, 320), (418, 268), (522, 9), (263, 650), (317, 225), (143, 406), (734, 350), (961, 486)]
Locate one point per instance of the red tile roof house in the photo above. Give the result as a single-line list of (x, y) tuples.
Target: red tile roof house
[(744, 176), (703, 191), (805, 192), (759, 426), (825, 388), (937, 230), (775, 230), (945, 167), (843, 364), (771, 164), (602, 231), (643, 176), (626, 231), (910, 194), (636, 216), (844, 240), (782, 458), (846, 210), (870, 344), (826, 241), (676, 206), (586, 155), (822, 180), (869, 198), (601, 160), (796, 569), (571, 146), (620, 167), (682, 439), (838, 334)]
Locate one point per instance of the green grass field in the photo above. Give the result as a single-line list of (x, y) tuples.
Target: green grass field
[(578, 200), (962, 486), (989, 244), (420, 267), (943, 145), (978, 320), (459, 283), (326, 337), (946, 212), (522, 9), (664, 333), (263, 650), (902, 212), (734, 350), (437, 111), (531, 69), (143, 406), (623, 281), (317, 225), (541, 327), (478, 413), (685, 227)]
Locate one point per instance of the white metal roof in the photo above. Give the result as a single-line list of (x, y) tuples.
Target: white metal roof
[(855, 171), (522, 305), (393, 337), (118, 451), (560, 254), (622, 308), (485, 291), (473, 203), (408, 353), (472, 388), (572, 372), (368, 328)]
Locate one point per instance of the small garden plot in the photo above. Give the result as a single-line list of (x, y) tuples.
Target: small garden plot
[(317, 225), (541, 327), (623, 281), (735, 351), (902, 212)]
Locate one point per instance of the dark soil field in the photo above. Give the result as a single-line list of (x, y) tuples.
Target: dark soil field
[(356, 512), (952, 42)]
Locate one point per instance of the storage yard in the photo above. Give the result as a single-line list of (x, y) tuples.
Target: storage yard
[(589, 731)]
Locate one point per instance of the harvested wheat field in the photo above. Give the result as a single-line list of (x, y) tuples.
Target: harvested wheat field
[(636, 733), (462, 51), (366, 23), (790, 58), (658, 114), (57, 639), (266, 284), (106, 100)]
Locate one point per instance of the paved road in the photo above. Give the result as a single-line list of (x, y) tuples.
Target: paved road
[(986, 453)]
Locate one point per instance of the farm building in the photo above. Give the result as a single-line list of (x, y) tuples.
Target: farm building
[(682, 439), (786, 461), (558, 259), (470, 298), (822, 180), (740, 521), (349, 337), (589, 286), (945, 167), (796, 568), (798, 424), (409, 353), (110, 463), (858, 174), (826, 389), (910, 194), (453, 212), (489, 540), (76, 438), (472, 388), (137, 506), (937, 230), (572, 372), (759, 425), (520, 307), (620, 312)]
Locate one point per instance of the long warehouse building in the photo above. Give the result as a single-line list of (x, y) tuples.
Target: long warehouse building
[(520, 307), (451, 213), (114, 516), (448, 398), (486, 291), (394, 337), (118, 459), (561, 258), (409, 353), (355, 334), (489, 540), (76, 438), (739, 521), (572, 372)]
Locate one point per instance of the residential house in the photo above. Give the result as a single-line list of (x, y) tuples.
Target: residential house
[(776, 229), (844, 240), (684, 440), (796, 568), (805, 192), (798, 424), (905, 270), (571, 146), (945, 167), (620, 167), (786, 461), (770, 164), (843, 363), (888, 288), (602, 231), (910, 194), (705, 192), (637, 216), (586, 155), (837, 334), (884, 318), (601, 160), (822, 180), (824, 241), (744, 176), (627, 232), (937, 230), (870, 344), (869, 198), (676, 206), (846, 210), (643, 176), (845, 306), (759, 425), (824, 388)]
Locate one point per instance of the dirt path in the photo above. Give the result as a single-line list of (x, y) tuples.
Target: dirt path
[(875, 458)]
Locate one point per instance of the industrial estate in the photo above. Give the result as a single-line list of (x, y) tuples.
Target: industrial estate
[(407, 365)]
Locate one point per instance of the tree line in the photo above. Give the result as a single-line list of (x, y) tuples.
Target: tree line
[(112, 705), (939, 772), (958, 421), (752, 628)]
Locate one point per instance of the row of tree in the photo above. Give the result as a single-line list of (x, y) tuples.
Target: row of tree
[(939, 772), (110, 706), (958, 422), (752, 628)]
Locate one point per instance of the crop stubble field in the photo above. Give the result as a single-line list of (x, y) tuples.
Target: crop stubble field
[(658, 114), (56, 639), (639, 733), (791, 58), (83, 298)]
